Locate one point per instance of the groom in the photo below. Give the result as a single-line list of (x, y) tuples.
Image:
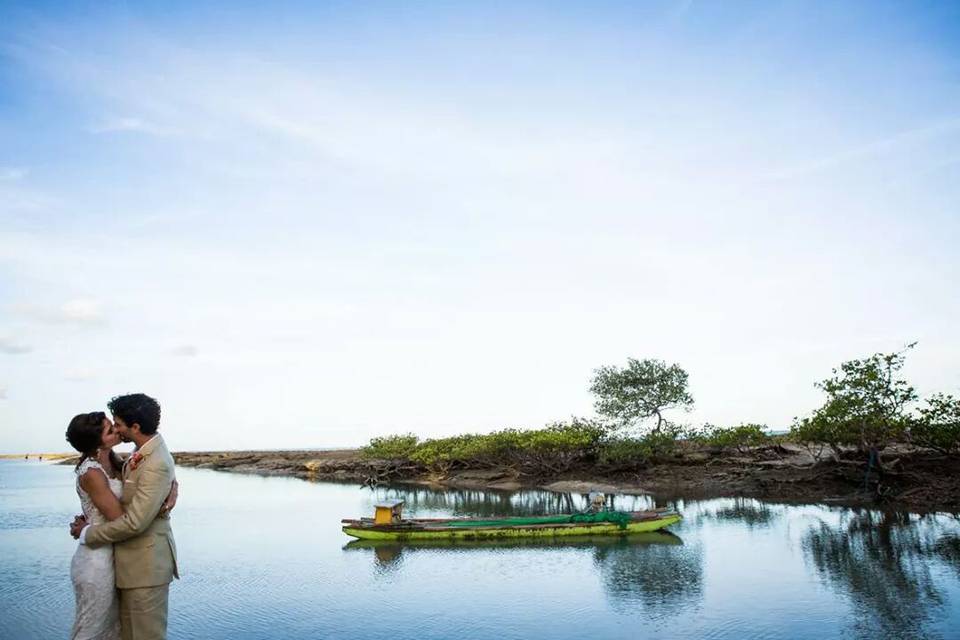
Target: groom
[(145, 556)]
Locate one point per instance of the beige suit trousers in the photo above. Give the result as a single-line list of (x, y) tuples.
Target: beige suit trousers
[(143, 613)]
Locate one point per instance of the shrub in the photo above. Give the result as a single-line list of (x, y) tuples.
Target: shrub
[(439, 454), (397, 447), (938, 425), (663, 443), (824, 429), (558, 447), (555, 448), (618, 453), (738, 437), (626, 452)]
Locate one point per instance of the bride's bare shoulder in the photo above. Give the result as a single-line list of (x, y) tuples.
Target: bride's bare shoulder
[(93, 477)]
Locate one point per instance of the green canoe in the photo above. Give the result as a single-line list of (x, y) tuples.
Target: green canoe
[(459, 544), (616, 523)]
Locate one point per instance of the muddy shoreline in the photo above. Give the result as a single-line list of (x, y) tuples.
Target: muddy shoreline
[(912, 480)]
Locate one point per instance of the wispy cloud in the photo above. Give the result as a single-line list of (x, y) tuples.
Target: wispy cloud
[(882, 146), (11, 346), (3, 393), (79, 375), (12, 174), (130, 125), (185, 351), (81, 311), (16, 197)]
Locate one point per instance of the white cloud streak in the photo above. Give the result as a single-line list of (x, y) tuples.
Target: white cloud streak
[(11, 346), (12, 174), (884, 146), (80, 374), (131, 125), (82, 312)]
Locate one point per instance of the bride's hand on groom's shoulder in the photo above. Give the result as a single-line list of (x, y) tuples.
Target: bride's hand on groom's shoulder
[(79, 522)]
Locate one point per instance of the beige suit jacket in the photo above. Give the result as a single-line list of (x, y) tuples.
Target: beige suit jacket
[(144, 552)]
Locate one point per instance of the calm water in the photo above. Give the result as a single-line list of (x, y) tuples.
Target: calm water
[(265, 558)]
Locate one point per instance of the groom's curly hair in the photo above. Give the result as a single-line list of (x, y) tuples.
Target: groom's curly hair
[(137, 408)]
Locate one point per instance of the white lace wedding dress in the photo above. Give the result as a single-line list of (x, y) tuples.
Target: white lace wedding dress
[(97, 613)]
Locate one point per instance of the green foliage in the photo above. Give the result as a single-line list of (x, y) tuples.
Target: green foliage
[(937, 426), (439, 454), (827, 427), (622, 452), (663, 442), (555, 448), (739, 437), (865, 407), (397, 447), (643, 389)]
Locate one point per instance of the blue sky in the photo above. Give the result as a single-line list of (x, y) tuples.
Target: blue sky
[(303, 224)]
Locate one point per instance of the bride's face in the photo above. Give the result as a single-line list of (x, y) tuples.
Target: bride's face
[(109, 437)]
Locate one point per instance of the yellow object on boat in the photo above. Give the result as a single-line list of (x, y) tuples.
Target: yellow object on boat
[(388, 512)]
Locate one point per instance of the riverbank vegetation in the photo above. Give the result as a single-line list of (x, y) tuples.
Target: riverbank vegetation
[(873, 438), (868, 409)]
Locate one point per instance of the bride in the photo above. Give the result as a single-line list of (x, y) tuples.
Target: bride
[(99, 487)]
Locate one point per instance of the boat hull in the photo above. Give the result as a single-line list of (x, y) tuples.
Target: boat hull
[(490, 533), (661, 537)]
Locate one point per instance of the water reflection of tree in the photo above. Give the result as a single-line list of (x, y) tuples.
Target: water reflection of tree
[(948, 550), (881, 560), (752, 513), (485, 502), (665, 580)]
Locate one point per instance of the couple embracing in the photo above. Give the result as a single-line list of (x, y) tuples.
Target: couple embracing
[(126, 558)]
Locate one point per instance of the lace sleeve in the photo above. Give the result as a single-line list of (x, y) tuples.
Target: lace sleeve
[(89, 463)]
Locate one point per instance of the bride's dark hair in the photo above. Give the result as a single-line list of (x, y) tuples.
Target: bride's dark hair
[(84, 434)]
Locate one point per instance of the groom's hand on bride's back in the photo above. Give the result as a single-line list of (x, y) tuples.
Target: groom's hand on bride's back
[(171, 500), (79, 522)]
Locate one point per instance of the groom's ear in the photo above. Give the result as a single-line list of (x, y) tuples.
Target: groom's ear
[(135, 427)]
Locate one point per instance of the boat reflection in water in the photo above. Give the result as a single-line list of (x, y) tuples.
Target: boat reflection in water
[(654, 569), (388, 553)]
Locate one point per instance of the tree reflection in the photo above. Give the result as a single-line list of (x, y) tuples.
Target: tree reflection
[(948, 550), (752, 513), (486, 502), (665, 580), (882, 560)]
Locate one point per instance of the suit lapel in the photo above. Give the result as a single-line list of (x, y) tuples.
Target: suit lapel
[(148, 447)]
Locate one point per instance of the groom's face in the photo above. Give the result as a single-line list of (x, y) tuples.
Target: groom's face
[(122, 429)]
